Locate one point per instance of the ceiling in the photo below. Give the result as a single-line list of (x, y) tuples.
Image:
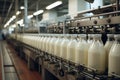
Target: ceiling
[(7, 8)]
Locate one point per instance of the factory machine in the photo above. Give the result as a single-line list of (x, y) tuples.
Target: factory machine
[(83, 48)]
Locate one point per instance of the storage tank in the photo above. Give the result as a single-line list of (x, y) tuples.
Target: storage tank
[(114, 57), (71, 48), (96, 55)]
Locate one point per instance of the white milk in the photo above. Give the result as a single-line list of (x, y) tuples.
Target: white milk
[(96, 55), (43, 43), (56, 44), (32, 40), (108, 46), (64, 44), (51, 44), (39, 42), (81, 55), (47, 45), (114, 57), (71, 49)]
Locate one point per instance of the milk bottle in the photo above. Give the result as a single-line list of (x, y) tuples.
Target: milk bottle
[(44, 42), (47, 41), (108, 46), (71, 48), (39, 44), (56, 44), (81, 54), (41, 41), (53, 44), (32, 42), (38, 38), (114, 57), (90, 39), (96, 55), (49, 44), (64, 44), (35, 40)]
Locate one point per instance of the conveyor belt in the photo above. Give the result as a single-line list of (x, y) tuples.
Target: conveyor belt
[(8, 69)]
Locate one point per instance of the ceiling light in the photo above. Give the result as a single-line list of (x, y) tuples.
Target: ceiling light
[(10, 20), (22, 7), (55, 4), (18, 12), (13, 17), (38, 12), (30, 16), (20, 22)]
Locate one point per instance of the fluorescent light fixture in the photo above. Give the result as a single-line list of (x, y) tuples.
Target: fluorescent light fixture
[(53, 5), (18, 12), (6, 24), (38, 12), (30, 16), (22, 7), (13, 17), (20, 22)]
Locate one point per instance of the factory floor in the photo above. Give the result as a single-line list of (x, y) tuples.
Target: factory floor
[(19, 65)]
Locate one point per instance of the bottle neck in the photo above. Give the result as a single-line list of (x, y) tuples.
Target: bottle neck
[(98, 39)]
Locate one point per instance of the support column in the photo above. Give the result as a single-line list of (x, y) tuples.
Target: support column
[(16, 8), (26, 13), (37, 8)]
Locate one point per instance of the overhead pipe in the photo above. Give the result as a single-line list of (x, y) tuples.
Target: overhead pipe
[(103, 14), (9, 10)]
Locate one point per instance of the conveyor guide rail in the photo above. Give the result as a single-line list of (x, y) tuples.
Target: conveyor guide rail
[(8, 69)]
